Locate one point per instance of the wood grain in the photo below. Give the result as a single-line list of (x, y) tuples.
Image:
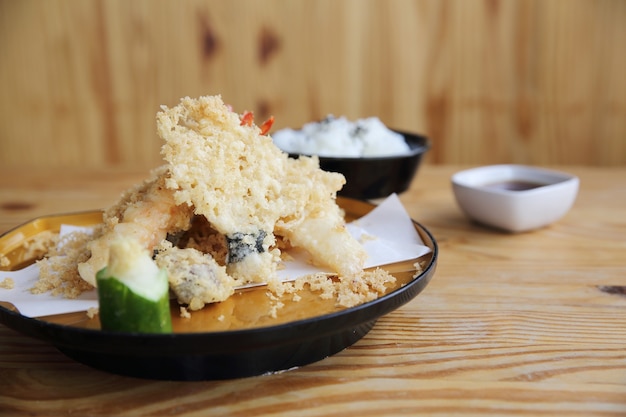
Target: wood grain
[(512, 324), (489, 81)]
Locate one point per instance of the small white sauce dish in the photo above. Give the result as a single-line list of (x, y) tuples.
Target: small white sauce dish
[(515, 198)]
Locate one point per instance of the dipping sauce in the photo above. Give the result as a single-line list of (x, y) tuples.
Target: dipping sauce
[(514, 185)]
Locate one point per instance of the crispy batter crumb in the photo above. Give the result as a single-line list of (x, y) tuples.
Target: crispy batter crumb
[(184, 312), (7, 284), (57, 270), (363, 287), (419, 268), (4, 261), (38, 246), (92, 312), (348, 290)]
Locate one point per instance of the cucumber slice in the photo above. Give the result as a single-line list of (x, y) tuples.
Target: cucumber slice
[(133, 292), (123, 310)]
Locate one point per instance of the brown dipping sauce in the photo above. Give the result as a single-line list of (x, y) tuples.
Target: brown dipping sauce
[(514, 185)]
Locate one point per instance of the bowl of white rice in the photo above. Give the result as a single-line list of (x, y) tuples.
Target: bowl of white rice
[(376, 161)]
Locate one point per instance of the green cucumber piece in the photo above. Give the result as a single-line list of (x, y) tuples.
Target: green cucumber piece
[(123, 310), (133, 292)]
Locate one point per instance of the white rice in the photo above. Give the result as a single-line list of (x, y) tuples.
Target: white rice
[(338, 137)]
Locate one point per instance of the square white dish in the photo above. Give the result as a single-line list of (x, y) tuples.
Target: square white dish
[(514, 198)]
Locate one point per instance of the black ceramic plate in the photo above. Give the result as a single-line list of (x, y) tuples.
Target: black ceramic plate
[(204, 352)]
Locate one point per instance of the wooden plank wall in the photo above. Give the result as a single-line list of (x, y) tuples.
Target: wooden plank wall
[(490, 81)]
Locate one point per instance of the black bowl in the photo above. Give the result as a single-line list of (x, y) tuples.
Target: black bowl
[(371, 178)]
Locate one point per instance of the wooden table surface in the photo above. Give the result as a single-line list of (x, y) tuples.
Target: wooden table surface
[(512, 324)]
